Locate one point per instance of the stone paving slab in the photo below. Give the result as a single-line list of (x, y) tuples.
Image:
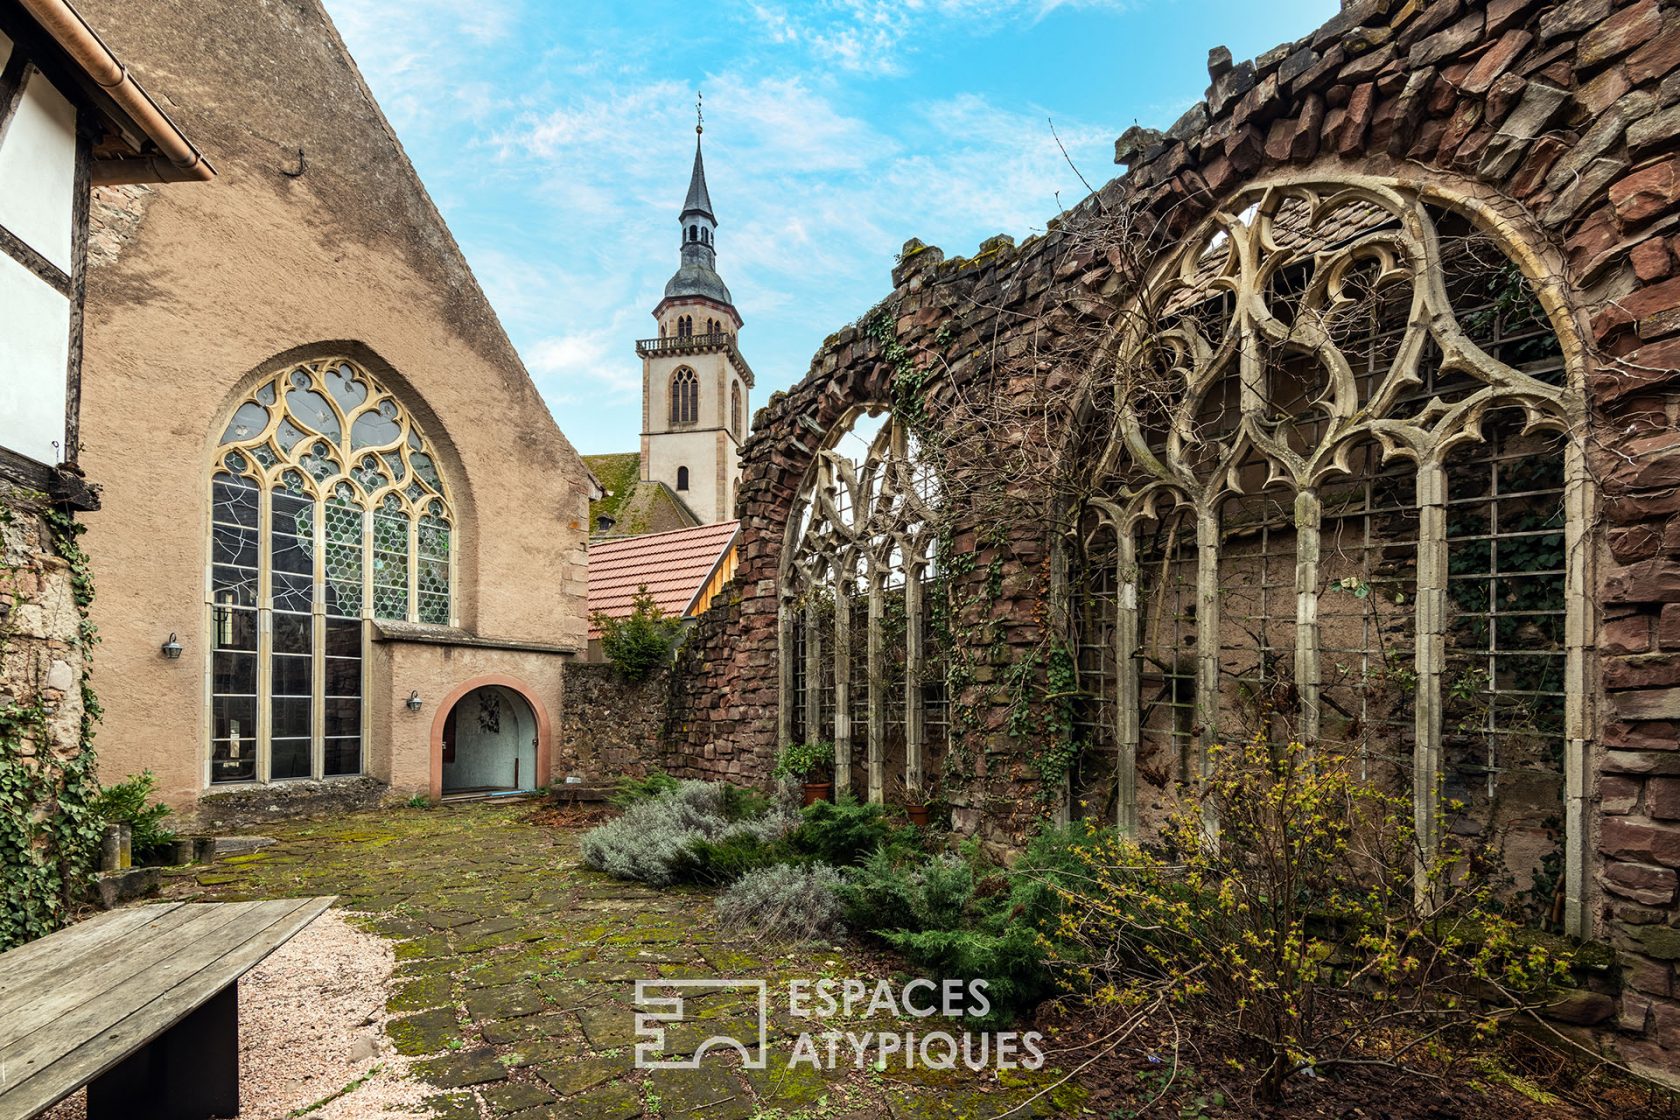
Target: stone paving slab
[(515, 981)]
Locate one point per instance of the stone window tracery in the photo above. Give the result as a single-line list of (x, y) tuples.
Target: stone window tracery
[(685, 397), (327, 509), (1339, 504), (861, 609)]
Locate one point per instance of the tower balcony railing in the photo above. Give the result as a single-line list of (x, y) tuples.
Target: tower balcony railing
[(710, 342), (685, 344)]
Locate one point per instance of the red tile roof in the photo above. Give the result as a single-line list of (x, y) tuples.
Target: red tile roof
[(673, 565)]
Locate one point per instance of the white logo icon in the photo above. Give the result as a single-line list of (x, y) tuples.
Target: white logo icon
[(669, 1009)]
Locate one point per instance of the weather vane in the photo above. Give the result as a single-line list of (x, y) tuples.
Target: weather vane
[(699, 115)]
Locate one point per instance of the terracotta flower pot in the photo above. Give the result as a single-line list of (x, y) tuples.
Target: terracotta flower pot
[(918, 815), (817, 791)]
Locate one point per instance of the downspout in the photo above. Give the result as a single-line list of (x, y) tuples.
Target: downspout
[(179, 161)]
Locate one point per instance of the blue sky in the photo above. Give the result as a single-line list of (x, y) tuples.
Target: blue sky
[(835, 131)]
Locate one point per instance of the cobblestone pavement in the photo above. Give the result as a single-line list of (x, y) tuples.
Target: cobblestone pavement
[(516, 976)]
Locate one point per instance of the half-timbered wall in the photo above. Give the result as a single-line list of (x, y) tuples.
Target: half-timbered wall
[(43, 240)]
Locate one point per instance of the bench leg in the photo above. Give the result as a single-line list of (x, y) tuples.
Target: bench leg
[(190, 1072)]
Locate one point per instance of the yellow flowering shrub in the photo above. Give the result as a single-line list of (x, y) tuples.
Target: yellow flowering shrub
[(1287, 905)]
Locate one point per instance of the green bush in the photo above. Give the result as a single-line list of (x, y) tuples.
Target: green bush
[(1009, 956), (639, 644), (634, 791), (129, 802), (844, 832), (806, 762)]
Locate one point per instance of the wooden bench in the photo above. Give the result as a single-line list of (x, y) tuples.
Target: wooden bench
[(139, 1005)]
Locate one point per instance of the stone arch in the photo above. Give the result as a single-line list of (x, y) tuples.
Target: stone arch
[(545, 727)]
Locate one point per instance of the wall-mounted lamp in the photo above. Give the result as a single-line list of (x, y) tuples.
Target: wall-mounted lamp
[(413, 700), (172, 648)]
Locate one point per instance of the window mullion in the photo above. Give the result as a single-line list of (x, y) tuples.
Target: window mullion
[(784, 673), (1309, 516), (265, 628), (842, 678), (915, 718), (813, 677), (1128, 683), (877, 698), (1430, 663), (1578, 792), (318, 644), (1207, 623), (413, 529)]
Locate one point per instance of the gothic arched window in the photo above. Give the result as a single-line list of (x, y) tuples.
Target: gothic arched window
[(327, 509), (685, 326), (685, 397), (863, 608), (682, 478), (1336, 507), (735, 408)]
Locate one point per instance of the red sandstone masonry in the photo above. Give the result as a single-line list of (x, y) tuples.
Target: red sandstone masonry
[(1568, 109)]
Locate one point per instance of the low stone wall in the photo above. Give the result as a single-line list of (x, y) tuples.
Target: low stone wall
[(610, 728), (240, 810)]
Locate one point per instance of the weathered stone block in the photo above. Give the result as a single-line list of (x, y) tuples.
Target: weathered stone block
[(1662, 798), (1660, 763), (1638, 841), (1648, 192), (1618, 796), (1629, 28)]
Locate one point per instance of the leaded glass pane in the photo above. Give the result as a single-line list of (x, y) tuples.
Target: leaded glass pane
[(249, 420), (344, 558), (390, 565), (310, 408), (373, 429)]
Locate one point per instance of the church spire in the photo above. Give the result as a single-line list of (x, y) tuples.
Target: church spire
[(697, 275), (699, 200)]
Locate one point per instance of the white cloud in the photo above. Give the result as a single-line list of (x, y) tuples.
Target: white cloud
[(875, 37)]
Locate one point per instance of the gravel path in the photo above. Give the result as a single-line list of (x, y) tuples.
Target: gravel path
[(312, 1025)]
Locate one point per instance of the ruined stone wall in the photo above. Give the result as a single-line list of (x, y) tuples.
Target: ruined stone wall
[(608, 724), (1562, 120), (45, 761)]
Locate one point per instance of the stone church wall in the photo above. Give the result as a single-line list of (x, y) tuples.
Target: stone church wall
[(315, 240), (1565, 120)]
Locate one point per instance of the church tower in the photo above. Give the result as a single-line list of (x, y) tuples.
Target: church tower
[(695, 383)]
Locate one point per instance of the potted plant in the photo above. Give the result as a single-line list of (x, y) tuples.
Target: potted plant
[(915, 799), (812, 764)]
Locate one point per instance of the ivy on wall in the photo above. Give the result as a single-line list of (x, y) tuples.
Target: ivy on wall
[(49, 828), (1036, 688)]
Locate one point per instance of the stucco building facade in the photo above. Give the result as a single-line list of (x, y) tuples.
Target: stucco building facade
[(328, 478)]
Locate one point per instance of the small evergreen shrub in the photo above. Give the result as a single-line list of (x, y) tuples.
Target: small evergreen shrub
[(639, 644), (633, 791), (130, 802), (962, 916), (790, 902), (845, 832)]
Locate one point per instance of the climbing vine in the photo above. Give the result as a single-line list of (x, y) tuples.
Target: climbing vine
[(1035, 687), (49, 827)]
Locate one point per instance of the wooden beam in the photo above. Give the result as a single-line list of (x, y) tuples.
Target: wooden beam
[(21, 252)]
